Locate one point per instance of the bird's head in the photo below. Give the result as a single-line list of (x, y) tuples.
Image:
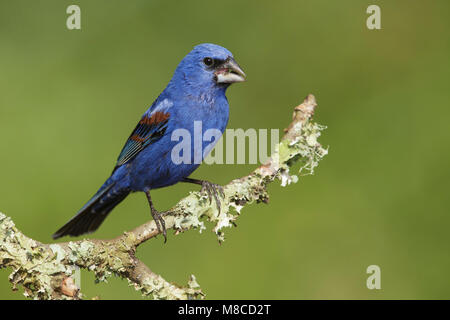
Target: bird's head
[(209, 66)]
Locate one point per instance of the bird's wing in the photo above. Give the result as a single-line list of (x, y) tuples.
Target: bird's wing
[(150, 128)]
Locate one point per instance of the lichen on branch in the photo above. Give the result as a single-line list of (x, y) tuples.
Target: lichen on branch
[(45, 271)]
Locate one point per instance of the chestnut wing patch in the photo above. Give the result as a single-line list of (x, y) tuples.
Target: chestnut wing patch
[(150, 129)]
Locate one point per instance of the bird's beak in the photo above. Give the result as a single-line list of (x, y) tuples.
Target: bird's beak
[(229, 72)]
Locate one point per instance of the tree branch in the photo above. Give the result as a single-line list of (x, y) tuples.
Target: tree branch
[(46, 270)]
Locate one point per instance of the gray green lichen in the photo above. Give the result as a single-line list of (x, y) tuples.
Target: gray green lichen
[(34, 266), (41, 268)]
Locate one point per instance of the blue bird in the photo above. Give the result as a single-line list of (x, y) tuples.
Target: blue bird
[(195, 94)]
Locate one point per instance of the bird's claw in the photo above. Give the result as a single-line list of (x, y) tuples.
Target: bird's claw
[(213, 190)]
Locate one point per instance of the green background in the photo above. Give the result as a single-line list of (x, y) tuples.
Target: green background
[(69, 99)]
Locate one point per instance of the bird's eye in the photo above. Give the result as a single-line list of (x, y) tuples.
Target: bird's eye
[(208, 61)]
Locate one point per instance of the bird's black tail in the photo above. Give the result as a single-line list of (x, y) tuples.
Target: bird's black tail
[(91, 216)]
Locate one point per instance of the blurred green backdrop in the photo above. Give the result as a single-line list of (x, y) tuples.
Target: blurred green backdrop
[(69, 99)]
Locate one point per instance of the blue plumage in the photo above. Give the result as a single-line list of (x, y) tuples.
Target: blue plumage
[(195, 94)]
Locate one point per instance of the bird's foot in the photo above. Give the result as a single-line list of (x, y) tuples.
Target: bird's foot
[(213, 190), (160, 223), (157, 216)]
